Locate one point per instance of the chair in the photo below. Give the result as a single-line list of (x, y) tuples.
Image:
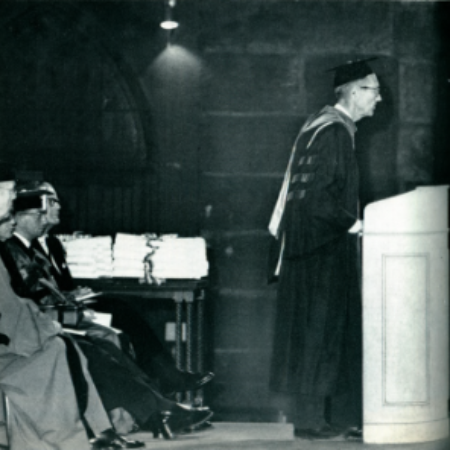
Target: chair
[(4, 415)]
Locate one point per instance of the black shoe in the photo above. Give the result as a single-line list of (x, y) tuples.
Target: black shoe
[(159, 426), (312, 434), (182, 416), (175, 419), (102, 443), (128, 443), (110, 440), (186, 381), (354, 434)]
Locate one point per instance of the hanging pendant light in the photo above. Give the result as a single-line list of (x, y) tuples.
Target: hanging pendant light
[(169, 23)]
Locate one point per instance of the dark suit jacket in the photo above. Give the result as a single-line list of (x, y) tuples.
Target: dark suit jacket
[(57, 258), (25, 266)]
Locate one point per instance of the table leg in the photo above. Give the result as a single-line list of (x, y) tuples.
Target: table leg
[(178, 338), (189, 337), (200, 349), (200, 325)]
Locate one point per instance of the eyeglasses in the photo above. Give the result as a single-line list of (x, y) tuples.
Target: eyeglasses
[(370, 88), (53, 201)]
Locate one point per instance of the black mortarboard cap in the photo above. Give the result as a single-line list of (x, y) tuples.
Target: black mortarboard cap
[(351, 71), (30, 200)]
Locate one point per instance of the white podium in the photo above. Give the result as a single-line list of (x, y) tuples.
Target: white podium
[(406, 317)]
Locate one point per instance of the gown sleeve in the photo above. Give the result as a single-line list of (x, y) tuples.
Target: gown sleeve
[(323, 195)]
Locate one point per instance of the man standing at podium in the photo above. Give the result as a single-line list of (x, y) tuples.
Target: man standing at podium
[(316, 223)]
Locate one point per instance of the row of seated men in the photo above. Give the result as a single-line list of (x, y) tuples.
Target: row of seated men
[(73, 390)]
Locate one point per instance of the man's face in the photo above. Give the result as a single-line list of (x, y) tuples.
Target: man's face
[(53, 208), (367, 95), (7, 195), (31, 223), (7, 225)]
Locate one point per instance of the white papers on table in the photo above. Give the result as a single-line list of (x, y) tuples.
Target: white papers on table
[(130, 251), (179, 258), (170, 257), (90, 257)]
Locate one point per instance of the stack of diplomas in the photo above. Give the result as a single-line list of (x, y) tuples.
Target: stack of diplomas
[(178, 258), (130, 251), (143, 256), (165, 257), (90, 257)]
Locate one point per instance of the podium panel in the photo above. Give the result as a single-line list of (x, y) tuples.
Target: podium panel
[(406, 318)]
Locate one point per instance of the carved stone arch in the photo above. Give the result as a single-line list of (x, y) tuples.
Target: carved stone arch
[(67, 97)]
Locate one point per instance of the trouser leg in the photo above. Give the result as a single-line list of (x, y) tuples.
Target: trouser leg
[(80, 384), (117, 385), (354, 340), (76, 373), (100, 331), (309, 411), (92, 411), (151, 355), (355, 371)]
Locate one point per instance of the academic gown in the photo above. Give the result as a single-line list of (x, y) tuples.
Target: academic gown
[(318, 283), (34, 375)]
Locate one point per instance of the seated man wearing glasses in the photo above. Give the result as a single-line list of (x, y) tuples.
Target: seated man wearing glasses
[(120, 383), (53, 401), (30, 270), (150, 354)]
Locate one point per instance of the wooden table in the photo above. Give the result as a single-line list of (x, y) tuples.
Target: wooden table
[(188, 295)]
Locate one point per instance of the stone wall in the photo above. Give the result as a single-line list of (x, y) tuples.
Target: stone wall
[(220, 108), (266, 71)]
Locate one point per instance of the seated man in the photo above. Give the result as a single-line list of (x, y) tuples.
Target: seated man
[(151, 355), (30, 270), (45, 411), (120, 383)]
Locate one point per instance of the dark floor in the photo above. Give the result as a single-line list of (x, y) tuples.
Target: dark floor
[(267, 436)]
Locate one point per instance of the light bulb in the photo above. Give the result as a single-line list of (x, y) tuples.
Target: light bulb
[(169, 24)]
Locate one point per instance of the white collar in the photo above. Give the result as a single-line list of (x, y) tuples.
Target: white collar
[(43, 241), (25, 241), (339, 107)]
